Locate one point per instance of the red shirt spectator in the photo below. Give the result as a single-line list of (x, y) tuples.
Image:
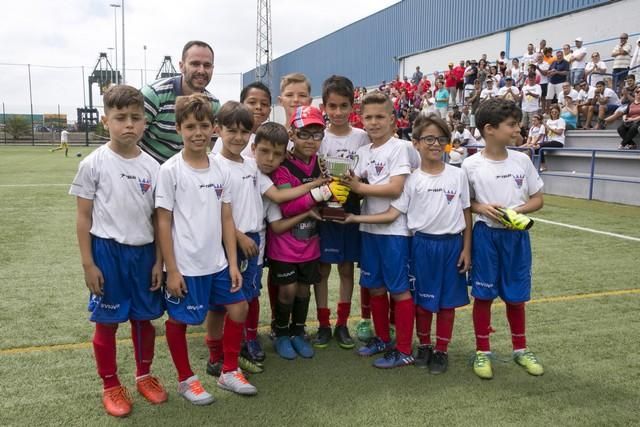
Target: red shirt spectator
[(450, 78), (458, 71)]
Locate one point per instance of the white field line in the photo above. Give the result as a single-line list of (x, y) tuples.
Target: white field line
[(589, 230), (34, 185)]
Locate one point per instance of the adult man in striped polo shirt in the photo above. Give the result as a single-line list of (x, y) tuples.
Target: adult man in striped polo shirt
[(160, 139)]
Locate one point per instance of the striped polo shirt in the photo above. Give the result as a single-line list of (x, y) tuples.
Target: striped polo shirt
[(160, 139)]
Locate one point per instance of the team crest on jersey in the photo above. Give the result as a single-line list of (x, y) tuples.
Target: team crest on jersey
[(379, 166), (450, 195), (218, 188), (519, 179), (145, 184)]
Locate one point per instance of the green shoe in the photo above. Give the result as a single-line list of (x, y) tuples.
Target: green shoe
[(322, 337), (482, 365), (249, 366), (529, 362), (364, 332)]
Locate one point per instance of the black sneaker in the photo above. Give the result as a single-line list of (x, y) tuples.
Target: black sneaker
[(439, 363), (214, 369), (341, 333), (423, 356), (322, 337)]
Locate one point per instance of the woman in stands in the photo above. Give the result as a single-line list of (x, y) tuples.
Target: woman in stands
[(630, 122), (555, 134), (537, 132), (569, 113)]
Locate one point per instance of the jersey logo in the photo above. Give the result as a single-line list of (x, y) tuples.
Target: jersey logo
[(379, 166), (218, 188), (519, 179), (450, 195), (145, 184)]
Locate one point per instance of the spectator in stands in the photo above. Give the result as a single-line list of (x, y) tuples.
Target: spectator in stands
[(489, 92), (595, 70), (424, 86), (417, 76), (585, 101), (630, 121), (558, 75), (529, 57), (428, 103), (621, 60), (555, 127), (567, 52), (569, 111), (516, 73), (566, 91), (634, 66), (450, 83), (495, 75), (542, 67), (536, 134), (501, 62), (442, 99), (578, 58), (474, 102), (483, 72), (627, 97), (458, 71), (531, 94), (456, 155), (605, 102), (464, 115), (403, 125), (470, 77), (548, 55), (509, 91), (542, 46), (464, 135)]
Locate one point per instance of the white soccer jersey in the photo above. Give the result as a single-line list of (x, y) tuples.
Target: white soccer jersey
[(122, 193), (247, 153), (195, 196), (508, 182), (377, 165), (434, 203), (272, 213), (344, 146)]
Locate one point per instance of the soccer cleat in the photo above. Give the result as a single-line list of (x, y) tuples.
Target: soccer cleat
[(529, 362), (236, 382), (439, 363), (374, 346), (151, 389), (254, 348), (214, 368), (394, 359), (514, 220), (249, 365), (423, 355), (322, 337), (244, 352), (192, 390), (117, 401), (364, 331), (283, 347), (341, 333), (482, 365), (302, 346)]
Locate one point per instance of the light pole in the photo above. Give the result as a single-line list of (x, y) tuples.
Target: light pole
[(145, 63), (124, 70), (115, 35)]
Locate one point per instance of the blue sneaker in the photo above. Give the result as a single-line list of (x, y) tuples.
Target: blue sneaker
[(394, 359), (374, 346), (302, 346), (254, 348), (284, 348)]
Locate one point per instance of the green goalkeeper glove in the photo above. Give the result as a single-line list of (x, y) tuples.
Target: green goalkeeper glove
[(514, 220)]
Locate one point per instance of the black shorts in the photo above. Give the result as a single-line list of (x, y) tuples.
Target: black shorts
[(460, 85), (543, 87), (285, 273)]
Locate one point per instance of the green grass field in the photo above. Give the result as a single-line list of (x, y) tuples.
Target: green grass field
[(583, 323)]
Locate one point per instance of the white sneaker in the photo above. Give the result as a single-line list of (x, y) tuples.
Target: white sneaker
[(236, 382), (192, 390)]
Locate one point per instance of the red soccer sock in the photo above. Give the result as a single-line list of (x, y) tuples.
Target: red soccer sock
[(392, 310), (365, 303), (344, 309), (482, 323), (323, 317), (104, 350), (215, 349), (176, 334), (444, 328), (516, 318), (423, 325), (405, 315), (273, 296), (231, 342), (143, 335), (380, 314), (253, 316)]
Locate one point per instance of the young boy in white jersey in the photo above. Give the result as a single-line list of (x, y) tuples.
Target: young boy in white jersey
[(384, 256), (115, 187), (195, 219), (501, 178), (436, 201), (339, 243)]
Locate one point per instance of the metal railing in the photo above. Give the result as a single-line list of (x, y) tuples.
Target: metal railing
[(592, 176)]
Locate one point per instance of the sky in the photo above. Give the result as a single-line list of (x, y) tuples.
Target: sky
[(65, 35)]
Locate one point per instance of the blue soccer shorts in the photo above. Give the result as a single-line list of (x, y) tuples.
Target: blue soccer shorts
[(249, 269), (384, 262), (501, 264), (339, 242), (127, 278)]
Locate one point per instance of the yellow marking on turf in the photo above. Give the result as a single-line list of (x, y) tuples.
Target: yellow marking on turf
[(86, 345)]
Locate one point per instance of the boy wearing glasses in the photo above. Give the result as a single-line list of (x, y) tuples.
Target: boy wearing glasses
[(435, 200)]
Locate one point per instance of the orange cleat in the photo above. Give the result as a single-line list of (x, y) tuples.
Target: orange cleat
[(117, 401), (151, 389)]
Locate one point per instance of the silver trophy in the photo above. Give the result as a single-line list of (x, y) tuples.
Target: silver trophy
[(335, 168)]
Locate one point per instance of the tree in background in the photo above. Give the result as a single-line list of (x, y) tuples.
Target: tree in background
[(17, 127)]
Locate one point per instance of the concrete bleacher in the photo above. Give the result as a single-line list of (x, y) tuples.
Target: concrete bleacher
[(568, 171)]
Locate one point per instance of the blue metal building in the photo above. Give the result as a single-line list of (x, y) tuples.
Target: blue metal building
[(368, 50)]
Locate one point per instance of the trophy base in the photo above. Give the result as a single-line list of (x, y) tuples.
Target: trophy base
[(333, 213)]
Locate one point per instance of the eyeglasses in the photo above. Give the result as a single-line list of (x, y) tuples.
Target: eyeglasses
[(432, 140), (306, 135)]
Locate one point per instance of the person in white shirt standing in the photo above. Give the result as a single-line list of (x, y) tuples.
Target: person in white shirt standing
[(621, 60), (578, 62), (531, 94), (595, 70)]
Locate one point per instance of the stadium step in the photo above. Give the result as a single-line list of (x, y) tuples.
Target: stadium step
[(607, 188), (623, 163)]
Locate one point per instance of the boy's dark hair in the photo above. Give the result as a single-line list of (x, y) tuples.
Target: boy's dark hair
[(122, 96), (377, 98), (273, 133), (195, 43), (422, 122), (197, 104), (234, 113), (495, 111), (255, 85), (339, 85)]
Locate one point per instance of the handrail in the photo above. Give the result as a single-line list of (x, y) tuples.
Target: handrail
[(611, 74), (593, 152)]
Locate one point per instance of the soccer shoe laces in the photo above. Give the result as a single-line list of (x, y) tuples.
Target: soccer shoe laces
[(391, 354), (196, 387), (238, 376), (120, 395), (152, 383), (530, 357)]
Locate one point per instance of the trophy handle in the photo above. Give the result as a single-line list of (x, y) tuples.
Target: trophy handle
[(354, 161)]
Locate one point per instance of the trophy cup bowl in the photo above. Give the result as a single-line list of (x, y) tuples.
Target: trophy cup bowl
[(335, 168)]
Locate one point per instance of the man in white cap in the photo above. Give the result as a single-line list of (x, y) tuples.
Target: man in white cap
[(578, 62)]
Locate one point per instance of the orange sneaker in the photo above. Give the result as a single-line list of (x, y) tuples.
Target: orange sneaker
[(117, 401), (151, 389)]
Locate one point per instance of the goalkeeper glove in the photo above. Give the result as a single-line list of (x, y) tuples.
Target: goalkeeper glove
[(514, 220), (339, 191), (321, 194)]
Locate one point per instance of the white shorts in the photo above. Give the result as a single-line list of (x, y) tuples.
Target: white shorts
[(554, 90)]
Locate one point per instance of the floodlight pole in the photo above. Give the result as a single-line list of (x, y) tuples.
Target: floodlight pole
[(33, 134), (145, 64), (115, 36), (4, 122), (124, 70)]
